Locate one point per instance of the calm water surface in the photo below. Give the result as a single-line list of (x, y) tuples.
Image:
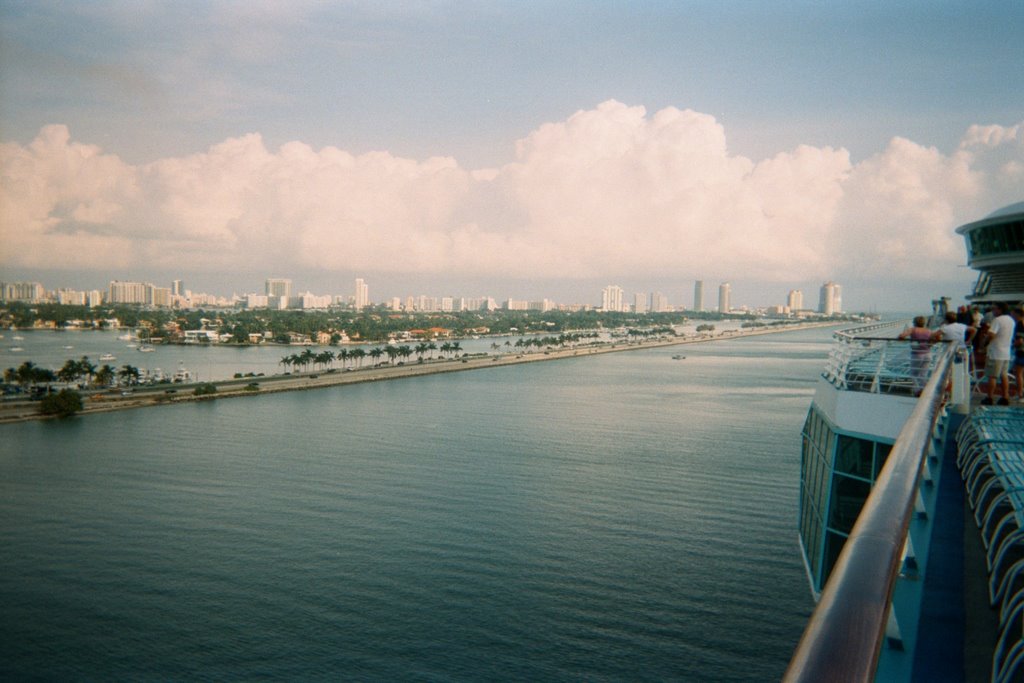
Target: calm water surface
[(622, 517)]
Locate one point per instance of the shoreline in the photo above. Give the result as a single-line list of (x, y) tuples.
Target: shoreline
[(141, 397)]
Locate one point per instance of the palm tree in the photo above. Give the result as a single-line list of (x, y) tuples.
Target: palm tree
[(128, 374), (105, 376), (432, 347), (324, 358), (69, 372), (343, 357), (375, 353), (26, 373), (86, 368), (456, 348), (421, 349), (392, 352), (306, 357), (405, 351), (445, 348), (358, 355)]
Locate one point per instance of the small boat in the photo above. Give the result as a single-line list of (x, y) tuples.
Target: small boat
[(678, 357), (146, 348), (130, 346), (182, 375), (108, 357), (68, 348), (18, 337), (17, 348)]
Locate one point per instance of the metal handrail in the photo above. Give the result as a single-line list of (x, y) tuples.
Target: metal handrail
[(843, 638), (856, 332)]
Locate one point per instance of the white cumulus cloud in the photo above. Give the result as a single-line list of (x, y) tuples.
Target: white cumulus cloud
[(610, 192)]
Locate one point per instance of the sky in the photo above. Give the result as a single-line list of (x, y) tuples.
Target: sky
[(513, 149)]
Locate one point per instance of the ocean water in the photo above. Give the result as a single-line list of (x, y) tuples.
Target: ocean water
[(615, 518)]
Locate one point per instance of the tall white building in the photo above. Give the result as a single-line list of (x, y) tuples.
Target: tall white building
[(128, 292), (362, 294), (640, 302), (278, 287), (159, 296), (795, 300), (659, 303), (516, 305), (698, 295), (611, 298), (71, 297), (724, 296), (830, 301), (31, 292)]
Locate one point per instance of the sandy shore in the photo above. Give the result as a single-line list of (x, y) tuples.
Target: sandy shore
[(105, 401)]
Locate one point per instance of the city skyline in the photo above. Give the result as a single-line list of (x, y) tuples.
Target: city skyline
[(554, 150), (279, 293)]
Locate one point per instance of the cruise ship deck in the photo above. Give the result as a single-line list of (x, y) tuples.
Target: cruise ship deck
[(933, 483)]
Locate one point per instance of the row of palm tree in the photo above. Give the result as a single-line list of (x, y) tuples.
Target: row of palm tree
[(569, 339), (73, 371), (326, 359)]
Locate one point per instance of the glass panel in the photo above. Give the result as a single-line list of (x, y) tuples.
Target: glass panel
[(854, 456), (833, 546), (848, 496), (881, 454)]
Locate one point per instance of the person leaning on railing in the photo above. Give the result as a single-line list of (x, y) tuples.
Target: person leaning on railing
[(920, 351), (955, 331)]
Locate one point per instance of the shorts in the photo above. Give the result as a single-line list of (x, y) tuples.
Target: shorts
[(996, 368)]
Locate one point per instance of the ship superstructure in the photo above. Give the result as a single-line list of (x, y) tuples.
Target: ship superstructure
[(880, 490)]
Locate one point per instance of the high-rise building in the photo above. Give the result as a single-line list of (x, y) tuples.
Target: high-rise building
[(611, 298), (830, 300), (159, 296), (278, 287), (30, 292), (516, 305), (640, 302), (724, 294), (129, 292), (659, 303), (362, 294), (795, 301), (698, 295), (178, 288)]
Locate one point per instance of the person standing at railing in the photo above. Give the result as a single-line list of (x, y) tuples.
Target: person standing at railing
[(920, 352), (1000, 334), (954, 331)]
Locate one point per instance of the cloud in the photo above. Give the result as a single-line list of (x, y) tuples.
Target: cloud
[(609, 192)]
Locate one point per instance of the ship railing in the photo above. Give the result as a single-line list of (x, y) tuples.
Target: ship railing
[(855, 616), (870, 329), (881, 365)]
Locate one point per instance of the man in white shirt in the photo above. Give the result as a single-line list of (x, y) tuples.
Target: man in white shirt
[(953, 331), (1000, 334)]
